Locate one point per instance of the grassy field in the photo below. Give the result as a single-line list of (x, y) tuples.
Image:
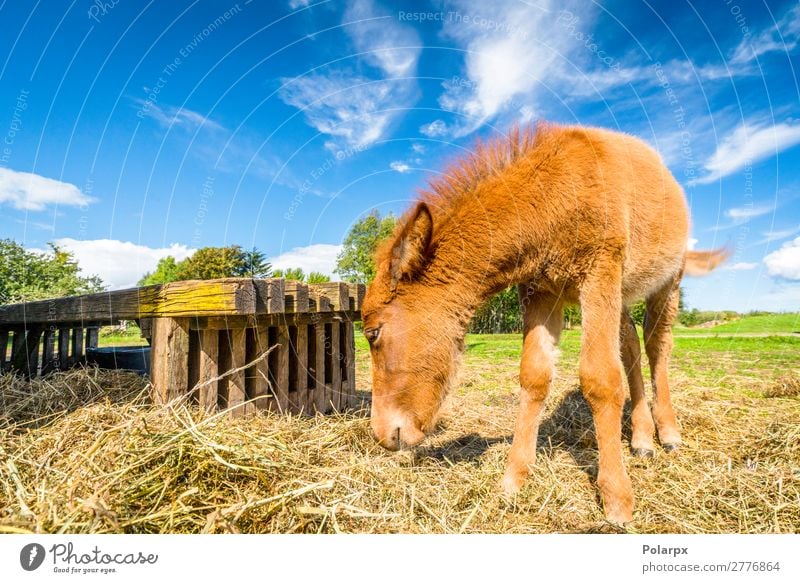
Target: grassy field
[(87, 452), (763, 324)]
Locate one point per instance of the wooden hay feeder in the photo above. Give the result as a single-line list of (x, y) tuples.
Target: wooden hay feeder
[(203, 334)]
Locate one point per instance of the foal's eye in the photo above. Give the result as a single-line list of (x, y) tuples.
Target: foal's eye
[(372, 334)]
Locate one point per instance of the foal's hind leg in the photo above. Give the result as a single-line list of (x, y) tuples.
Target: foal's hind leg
[(662, 307), (642, 427), (543, 322)]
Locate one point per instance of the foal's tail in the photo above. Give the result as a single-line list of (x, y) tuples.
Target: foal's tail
[(702, 262)]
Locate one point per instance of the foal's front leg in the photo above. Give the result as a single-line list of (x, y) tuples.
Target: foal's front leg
[(543, 323)]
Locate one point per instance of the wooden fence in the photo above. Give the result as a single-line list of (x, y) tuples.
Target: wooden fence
[(203, 334)]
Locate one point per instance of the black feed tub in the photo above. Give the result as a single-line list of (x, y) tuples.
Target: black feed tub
[(136, 358)]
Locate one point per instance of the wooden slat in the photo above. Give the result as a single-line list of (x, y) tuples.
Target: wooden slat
[(146, 328), (337, 293), (270, 296), (63, 347), (356, 292), (336, 372), (318, 302), (236, 381), (215, 297), (321, 397), (350, 366), (295, 296), (208, 344), (261, 380), (77, 346), (281, 376), (298, 398), (49, 359), (169, 358), (3, 347), (25, 352), (92, 337)]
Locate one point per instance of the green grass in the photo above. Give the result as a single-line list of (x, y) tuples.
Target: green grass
[(768, 323)]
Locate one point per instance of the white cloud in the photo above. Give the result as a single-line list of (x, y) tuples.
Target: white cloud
[(295, 4), (745, 213), (785, 262), (741, 266), (120, 264), (778, 235), (435, 129), (691, 243), (31, 192), (749, 144), (783, 36), (418, 148), (400, 167), (387, 45), (169, 117), (353, 107), (319, 257)]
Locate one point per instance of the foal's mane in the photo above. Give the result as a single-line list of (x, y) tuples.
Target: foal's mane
[(486, 159)]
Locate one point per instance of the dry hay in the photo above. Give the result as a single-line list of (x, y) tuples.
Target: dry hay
[(85, 451), (785, 386)]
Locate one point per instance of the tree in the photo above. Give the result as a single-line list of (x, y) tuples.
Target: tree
[(317, 277), (213, 263), (355, 263), (31, 275), (166, 272), (290, 273), (256, 264)]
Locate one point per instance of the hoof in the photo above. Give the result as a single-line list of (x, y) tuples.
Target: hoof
[(511, 484), (642, 452), (670, 447)]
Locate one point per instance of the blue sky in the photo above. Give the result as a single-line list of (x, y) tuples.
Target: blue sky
[(132, 130)]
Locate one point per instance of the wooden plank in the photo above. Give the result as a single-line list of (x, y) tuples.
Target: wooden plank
[(281, 375), (270, 296), (336, 366), (321, 398), (63, 347), (77, 346), (318, 302), (207, 369), (349, 369), (296, 297), (337, 293), (169, 359), (261, 384), (214, 297), (146, 328), (49, 358), (4, 333), (236, 381), (25, 351), (298, 393), (356, 293), (92, 337)]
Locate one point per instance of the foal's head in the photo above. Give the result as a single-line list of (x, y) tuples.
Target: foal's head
[(411, 321)]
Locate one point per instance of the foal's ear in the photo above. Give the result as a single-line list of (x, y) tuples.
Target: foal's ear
[(410, 250)]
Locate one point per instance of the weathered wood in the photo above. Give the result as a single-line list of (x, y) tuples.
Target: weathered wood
[(318, 302), (336, 366), (92, 337), (25, 351), (321, 397), (296, 297), (236, 381), (3, 348), (49, 359), (215, 297), (280, 374), (348, 368), (169, 359), (270, 296), (298, 387), (63, 347), (356, 292), (77, 346), (207, 368), (261, 383), (146, 328), (337, 293)]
